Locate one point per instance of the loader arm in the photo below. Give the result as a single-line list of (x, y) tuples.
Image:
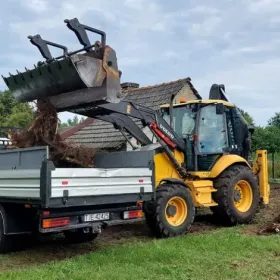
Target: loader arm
[(148, 116), (124, 123), (120, 114)]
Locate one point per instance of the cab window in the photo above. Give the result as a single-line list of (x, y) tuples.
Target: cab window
[(183, 120), (212, 134)]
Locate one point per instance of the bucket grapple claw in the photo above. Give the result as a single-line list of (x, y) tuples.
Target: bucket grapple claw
[(86, 76)]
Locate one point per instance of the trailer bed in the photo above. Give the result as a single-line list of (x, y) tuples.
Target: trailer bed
[(28, 175)]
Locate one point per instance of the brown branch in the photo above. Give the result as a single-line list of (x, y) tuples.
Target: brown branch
[(43, 131)]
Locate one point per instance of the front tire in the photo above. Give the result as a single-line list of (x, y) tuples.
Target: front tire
[(172, 213), (237, 195)]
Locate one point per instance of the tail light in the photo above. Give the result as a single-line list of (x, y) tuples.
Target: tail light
[(55, 222), (133, 214)]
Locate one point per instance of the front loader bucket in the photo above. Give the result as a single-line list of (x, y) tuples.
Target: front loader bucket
[(73, 79)]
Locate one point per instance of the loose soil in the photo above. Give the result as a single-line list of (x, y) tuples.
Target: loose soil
[(43, 131), (51, 248), (267, 221)]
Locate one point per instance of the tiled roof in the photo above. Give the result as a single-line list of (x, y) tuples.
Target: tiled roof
[(65, 133), (100, 134)]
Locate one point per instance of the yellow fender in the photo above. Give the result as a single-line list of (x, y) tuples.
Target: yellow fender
[(224, 162)]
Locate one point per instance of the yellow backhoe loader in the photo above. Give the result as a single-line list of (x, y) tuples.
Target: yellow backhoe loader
[(202, 156)]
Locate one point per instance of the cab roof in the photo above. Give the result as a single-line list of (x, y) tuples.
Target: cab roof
[(203, 101)]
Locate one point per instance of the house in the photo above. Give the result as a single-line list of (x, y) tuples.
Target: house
[(102, 135)]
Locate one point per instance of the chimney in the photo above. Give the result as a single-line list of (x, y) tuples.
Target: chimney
[(129, 85)]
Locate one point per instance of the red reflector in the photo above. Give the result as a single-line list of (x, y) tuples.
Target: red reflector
[(56, 222), (46, 213), (140, 204), (64, 182), (133, 214), (140, 180)]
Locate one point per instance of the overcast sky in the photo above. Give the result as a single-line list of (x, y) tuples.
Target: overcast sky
[(235, 42)]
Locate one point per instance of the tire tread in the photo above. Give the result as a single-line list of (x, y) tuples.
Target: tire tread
[(223, 183), (153, 217)]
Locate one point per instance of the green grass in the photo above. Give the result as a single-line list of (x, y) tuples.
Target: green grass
[(276, 164), (222, 254)]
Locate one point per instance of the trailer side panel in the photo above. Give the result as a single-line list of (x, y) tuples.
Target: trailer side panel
[(98, 181), (20, 183)]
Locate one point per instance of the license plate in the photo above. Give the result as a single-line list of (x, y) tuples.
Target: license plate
[(97, 217)]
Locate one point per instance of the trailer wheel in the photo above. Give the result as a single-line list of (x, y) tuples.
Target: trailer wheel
[(80, 235), (6, 244), (237, 196), (173, 211), (149, 210)]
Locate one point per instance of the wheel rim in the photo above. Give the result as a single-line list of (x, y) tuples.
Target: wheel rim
[(243, 196), (176, 211)]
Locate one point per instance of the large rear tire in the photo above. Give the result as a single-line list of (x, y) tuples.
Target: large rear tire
[(172, 213), (237, 195)]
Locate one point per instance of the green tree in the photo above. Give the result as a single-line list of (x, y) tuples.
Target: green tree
[(13, 113), (247, 117), (71, 122), (267, 138), (275, 120)]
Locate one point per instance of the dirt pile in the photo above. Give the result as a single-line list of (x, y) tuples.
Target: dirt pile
[(43, 131), (271, 228), (267, 220)]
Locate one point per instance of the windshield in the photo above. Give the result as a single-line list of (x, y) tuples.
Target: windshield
[(212, 134), (183, 120)]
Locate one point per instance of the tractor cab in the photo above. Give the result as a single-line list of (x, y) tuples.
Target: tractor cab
[(210, 129)]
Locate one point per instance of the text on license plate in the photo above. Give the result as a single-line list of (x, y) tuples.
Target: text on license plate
[(97, 217)]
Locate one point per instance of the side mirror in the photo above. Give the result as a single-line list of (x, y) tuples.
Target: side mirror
[(220, 109)]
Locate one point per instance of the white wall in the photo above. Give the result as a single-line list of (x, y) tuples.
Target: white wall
[(147, 131)]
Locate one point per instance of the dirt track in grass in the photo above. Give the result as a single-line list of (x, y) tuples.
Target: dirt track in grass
[(54, 248), (267, 217)]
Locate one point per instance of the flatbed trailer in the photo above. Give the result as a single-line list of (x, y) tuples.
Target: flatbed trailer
[(35, 196)]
